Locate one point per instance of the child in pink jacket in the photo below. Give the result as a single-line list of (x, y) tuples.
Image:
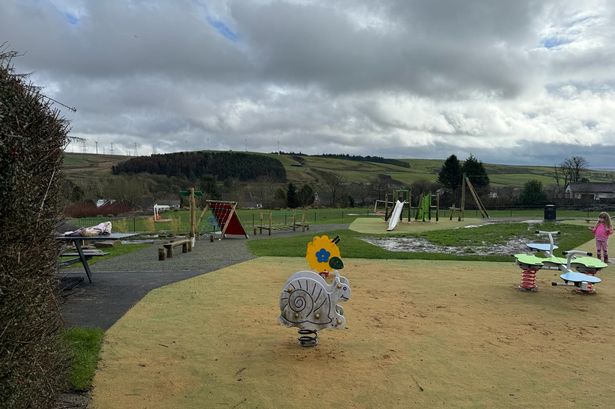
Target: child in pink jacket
[(602, 230)]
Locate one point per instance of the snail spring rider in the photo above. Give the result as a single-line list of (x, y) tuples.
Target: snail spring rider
[(308, 301)]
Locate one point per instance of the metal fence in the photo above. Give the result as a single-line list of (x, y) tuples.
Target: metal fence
[(284, 219)]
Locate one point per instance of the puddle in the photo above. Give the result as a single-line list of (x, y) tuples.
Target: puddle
[(473, 226), (420, 245)]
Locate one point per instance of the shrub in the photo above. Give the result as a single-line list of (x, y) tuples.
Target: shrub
[(32, 139)]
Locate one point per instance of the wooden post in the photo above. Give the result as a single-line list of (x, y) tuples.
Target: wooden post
[(463, 198), (270, 220), (409, 206), (386, 207), (479, 203), (303, 220), (200, 219), (192, 214), (228, 220), (161, 254), (437, 206), (260, 227)]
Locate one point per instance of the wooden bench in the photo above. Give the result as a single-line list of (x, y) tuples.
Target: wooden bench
[(166, 251)]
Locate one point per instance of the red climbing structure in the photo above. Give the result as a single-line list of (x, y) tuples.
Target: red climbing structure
[(226, 217)]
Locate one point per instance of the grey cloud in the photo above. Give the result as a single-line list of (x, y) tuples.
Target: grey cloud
[(114, 40), (322, 45), (395, 78)]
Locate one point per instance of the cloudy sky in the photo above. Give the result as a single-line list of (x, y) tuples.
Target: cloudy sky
[(517, 82)]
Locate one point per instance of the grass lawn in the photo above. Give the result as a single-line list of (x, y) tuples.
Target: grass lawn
[(84, 347), (361, 219), (179, 221), (420, 334), (352, 246)]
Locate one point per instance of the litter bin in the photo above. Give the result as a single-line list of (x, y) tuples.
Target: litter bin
[(550, 213)]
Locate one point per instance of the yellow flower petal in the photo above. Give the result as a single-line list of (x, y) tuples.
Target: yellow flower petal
[(318, 243)]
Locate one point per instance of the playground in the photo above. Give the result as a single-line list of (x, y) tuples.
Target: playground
[(464, 337), (442, 329), (375, 225)]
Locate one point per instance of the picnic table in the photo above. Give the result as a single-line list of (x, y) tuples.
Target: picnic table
[(78, 240)]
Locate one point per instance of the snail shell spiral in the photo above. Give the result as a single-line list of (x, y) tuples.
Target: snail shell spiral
[(305, 301), (300, 301)]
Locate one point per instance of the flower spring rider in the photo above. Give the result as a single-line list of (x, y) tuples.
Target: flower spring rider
[(308, 301)]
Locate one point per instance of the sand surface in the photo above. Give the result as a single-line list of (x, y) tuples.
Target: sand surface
[(420, 334)]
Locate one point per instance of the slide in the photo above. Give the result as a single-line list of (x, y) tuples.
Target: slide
[(423, 209), (394, 219)]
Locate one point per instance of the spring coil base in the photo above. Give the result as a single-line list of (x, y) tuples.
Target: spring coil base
[(528, 280), (308, 338)]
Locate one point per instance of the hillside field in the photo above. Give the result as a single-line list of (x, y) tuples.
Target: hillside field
[(80, 167)]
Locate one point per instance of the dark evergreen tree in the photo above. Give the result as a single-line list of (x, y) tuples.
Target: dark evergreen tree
[(192, 165), (532, 193), (450, 173), (292, 199), (475, 171), (209, 185), (349, 201), (306, 195), (279, 197), (377, 159)]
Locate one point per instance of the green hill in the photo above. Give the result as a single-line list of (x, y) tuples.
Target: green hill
[(88, 167), (91, 169), (361, 172)]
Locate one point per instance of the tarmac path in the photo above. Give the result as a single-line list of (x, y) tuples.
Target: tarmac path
[(120, 282)]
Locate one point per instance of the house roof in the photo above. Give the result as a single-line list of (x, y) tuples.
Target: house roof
[(592, 187)]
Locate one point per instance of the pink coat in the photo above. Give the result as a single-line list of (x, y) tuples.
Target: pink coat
[(601, 232)]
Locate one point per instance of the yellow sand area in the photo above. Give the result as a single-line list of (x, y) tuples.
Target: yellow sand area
[(420, 334)]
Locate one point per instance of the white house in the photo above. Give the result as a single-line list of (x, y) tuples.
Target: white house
[(104, 202), (588, 190)]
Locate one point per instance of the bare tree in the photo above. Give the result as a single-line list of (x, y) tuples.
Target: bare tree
[(571, 169), (334, 183)]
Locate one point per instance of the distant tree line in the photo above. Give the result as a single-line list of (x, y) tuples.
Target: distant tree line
[(195, 165), (298, 156), (368, 158)]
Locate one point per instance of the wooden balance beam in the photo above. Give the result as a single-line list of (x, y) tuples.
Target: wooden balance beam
[(166, 251)]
